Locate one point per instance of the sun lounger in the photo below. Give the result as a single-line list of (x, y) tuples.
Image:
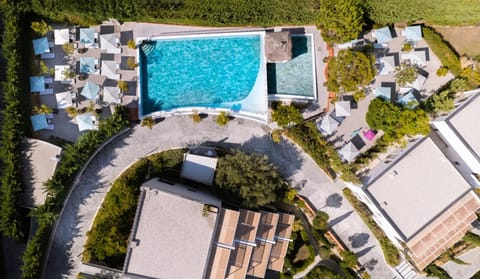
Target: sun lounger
[(114, 50), (48, 55), (51, 44), (47, 91), (48, 80)]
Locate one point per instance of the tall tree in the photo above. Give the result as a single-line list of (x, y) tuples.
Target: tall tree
[(249, 179), (340, 20), (350, 70)]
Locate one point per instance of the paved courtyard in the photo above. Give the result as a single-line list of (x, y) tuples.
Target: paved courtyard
[(65, 258)]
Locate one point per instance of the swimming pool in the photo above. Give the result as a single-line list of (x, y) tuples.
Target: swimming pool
[(221, 71), (296, 77)]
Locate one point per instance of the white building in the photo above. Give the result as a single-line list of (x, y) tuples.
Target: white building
[(423, 198)]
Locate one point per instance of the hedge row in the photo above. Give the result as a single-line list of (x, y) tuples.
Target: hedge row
[(390, 252), (107, 240), (74, 157), (13, 124), (442, 49), (307, 136)]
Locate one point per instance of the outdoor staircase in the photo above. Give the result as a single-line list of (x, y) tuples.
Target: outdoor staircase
[(406, 271), (147, 46)]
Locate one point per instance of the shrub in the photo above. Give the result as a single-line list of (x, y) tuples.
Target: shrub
[(148, 122), (68, 48), (359, 95), (320, 222), (287, 115), (277, 135), (122, 85), (41, 27), (324, 252), (405, 74), (472, 238), (42, 109), (131, 44), (390, 252), (407, 47), (442, 71), (223, 118), (349, 258), (442, 50), (71, 112), (436, 271), (196, 117), (131, 63)]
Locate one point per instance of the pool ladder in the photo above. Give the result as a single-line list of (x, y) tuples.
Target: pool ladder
[(147, 46)]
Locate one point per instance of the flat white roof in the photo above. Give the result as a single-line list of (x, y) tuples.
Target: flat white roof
[(418, 187), (170, 239), (466, 121), (199, 168), (40, 161)]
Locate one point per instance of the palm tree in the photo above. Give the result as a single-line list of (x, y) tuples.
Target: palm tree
[(71, 111)]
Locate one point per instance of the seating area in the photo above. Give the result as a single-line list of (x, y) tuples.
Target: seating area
[(83, 74), (391, 47)]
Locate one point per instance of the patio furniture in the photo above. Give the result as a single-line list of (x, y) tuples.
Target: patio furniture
[(64, 100), (85, 121), (369, 134), (90, 90), (328, 125), (40, 46), (348, 152), (39, 122), (48, 55), (47, 91), (37, 83), (111, 95)]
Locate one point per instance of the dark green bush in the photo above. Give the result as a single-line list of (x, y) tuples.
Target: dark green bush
[(320, 222)]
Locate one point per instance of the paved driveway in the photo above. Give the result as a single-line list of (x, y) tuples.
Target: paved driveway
[(65, 258)]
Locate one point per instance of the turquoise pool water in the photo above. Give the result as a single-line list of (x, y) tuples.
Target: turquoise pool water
[(198, 72), (295, 77)]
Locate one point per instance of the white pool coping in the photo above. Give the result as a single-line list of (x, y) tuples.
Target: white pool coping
[(280, 96), (253, 107)]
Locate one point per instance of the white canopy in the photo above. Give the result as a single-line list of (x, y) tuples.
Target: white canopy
[(64, 100), (387, 65), (109, 69), (342, 108), (416, 84), (348, 152), (111, 95), (417, 57), (328, 125), (107, 41), (61, 36)]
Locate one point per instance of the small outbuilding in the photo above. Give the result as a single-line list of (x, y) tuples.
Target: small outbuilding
[(200, 168), (278, 47)]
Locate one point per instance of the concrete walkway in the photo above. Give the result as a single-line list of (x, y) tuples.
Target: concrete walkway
[(64, 260)]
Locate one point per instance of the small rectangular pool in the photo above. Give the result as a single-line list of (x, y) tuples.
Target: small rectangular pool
[(295, 77)]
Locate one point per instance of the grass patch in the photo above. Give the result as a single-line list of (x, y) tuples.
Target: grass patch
[(108, 238), (443, 50), (390, 252)]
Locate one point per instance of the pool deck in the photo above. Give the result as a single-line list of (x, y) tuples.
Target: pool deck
[(142, 30)]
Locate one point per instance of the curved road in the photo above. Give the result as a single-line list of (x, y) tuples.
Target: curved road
[(64, 260)]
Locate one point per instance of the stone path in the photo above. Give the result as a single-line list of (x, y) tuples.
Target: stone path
[(65, 258)]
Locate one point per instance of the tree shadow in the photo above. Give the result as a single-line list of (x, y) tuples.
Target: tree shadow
[(370, 265), (364, 252), (334, 200), (359, 239), (339, 219)]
